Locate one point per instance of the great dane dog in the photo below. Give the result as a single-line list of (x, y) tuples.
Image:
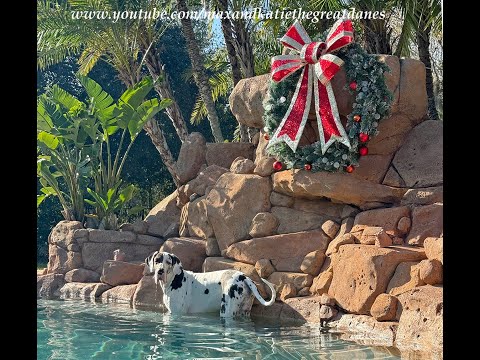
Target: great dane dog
[(186, 292)]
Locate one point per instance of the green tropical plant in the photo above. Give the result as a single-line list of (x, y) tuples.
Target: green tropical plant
[(85, 130)]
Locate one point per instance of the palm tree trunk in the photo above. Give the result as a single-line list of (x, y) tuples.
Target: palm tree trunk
[(243, 46), (377, 37), (160, 142), (423, 45), (232, 58), (199, 74), (164, 90)]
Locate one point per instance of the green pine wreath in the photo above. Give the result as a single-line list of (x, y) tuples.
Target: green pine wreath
[(372, 104)]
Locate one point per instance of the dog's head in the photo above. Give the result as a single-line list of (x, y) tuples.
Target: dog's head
[(164, 266)]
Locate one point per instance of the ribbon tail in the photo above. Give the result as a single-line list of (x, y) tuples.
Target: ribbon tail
[(291, 127), (330, 128)]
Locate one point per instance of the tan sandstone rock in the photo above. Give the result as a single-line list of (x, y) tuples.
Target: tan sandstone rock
[(61, 261), (391, 134), (286, 251), (264, 268), (190, 251), (322, 282), (121, 273), (122, 294), (205, 178), (392, 178), (223, 154), (62, 234), (339, 241), (211, 247), (233, 203), (82, 275), (431, 272), (277, 199), (330, 228), (191, 157), (362, 272), (264, 166), (421, 319), (338, 186), (312, 263), (384, 308), (242, 166), (427, 221), (434, 248), (83, 291), (413, 93), (405, 277), (373, 167), (288, 291), (330, 210), (386, 218), (163, 215), (291, 220), (246, 100), (197, 219), (263, 224), (419, 161), (148, 295), (423, 196), (297, 280), (48, 286)]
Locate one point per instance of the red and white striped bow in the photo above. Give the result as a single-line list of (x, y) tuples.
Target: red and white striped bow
[(319, 67)]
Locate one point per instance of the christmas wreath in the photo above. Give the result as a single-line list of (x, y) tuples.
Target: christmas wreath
[(305, 73)]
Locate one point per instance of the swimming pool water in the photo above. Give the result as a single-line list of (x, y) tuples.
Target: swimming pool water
[(77, 330)]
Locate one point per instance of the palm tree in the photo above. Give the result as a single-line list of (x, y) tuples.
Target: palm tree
[(199, 73), (119, 44), (421, 18)]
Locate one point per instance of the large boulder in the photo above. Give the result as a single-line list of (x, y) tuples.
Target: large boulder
[(191, 157), (434, 248), (391, 134), (82, 275), (83, 291), (242, 166), (337, 186), (423, 196), (413, 93), (121, 273), (246, 100), (205, 178), (405, 277), (122, 294), (223, 154), (386, 218), (419, 162), (48, 286), (330, 210), (362, 272), (163, 215), (61, 261), (263, 224), (384, 308), (420, 325), (148, 295), (286, 251), (297, 280), (372, 167), (427, 221), (190, 251), (62, 234), (95, 254), (233, 203), (392, 77), (292, 220), (197, 220)]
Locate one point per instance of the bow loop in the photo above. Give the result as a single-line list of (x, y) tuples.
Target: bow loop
[(319, 67)]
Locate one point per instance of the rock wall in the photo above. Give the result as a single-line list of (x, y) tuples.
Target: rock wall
[(363, 248)]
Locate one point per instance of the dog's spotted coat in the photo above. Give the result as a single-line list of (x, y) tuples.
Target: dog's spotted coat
[(186, 292)]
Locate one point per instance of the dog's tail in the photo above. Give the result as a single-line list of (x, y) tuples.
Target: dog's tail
[(259, 297)]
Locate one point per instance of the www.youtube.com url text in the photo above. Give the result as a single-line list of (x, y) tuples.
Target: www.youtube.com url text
[(257, 14)]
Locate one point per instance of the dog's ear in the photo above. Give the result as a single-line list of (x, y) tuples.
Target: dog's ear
[(149, 259)]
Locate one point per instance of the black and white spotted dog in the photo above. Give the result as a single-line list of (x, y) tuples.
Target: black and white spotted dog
[(186, 292)]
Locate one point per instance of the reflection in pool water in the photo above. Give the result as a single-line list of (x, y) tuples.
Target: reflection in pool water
[(77, 330)]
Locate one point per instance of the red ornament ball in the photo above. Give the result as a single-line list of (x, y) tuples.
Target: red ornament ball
[(266, 137), (349, 168), (308, 167), (353, 86), (363, 150), (357, 118), (277, 165), (363, 137)]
